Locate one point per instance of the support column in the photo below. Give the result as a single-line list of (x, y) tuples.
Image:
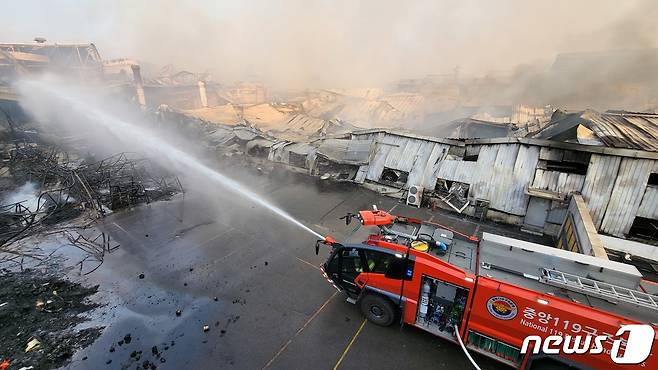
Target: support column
[(139, 85), (202, 94)]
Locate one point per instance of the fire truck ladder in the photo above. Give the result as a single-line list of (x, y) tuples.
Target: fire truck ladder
[(599, 289)]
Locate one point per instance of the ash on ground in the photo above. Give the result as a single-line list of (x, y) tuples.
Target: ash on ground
[(40, 312)]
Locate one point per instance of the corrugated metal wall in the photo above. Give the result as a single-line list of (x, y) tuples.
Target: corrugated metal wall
[(551, 154), (614, 187), (482, 179), (649, 206), (599, 181), (360, 177), (427, 164), (524, 171), (559, 182), (461, 171), (502, 174), (420, 158), (378, 161), (628, 190)]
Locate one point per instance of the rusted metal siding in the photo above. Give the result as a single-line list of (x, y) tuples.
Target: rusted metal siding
[(502, 174), (599, 181), (627, 194), (579, 224), (559, 182), (649, 206)]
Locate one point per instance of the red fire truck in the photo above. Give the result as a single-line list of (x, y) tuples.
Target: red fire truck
[(493, 292)]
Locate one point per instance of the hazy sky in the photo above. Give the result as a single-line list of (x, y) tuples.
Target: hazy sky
[(351, 43)]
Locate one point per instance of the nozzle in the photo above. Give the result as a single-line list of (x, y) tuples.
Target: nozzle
[(330, 240)]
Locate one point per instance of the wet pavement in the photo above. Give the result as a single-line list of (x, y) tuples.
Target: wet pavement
[(253, 280)]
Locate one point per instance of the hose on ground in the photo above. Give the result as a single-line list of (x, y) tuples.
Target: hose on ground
[(459, 339)]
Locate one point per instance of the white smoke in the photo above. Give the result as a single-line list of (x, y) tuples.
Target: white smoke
[(28, 194)]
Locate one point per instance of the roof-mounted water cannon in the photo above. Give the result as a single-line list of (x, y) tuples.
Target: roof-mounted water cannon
[(375, 218)]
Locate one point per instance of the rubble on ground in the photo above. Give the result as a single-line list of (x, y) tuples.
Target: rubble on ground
[(40, 317)]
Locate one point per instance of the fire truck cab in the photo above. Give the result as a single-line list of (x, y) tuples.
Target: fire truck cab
[(376, 272), (494, 292)]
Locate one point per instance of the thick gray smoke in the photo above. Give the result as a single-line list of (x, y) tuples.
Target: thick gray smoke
[(301, 44)]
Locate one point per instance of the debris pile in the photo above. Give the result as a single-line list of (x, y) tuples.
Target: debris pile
[(68, 187), (452, 193), (39, 315)]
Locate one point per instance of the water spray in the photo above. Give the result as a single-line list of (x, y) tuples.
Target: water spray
[(159, 146)]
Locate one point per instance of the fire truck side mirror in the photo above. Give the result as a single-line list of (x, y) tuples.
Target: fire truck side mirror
[(317, 247), (395, 269)]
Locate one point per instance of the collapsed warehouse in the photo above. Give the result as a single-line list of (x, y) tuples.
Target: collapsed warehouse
[(587, 179), (520, 181)]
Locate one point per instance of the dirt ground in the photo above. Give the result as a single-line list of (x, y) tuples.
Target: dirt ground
[(46, 308)]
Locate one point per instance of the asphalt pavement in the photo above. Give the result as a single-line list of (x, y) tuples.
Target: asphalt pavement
[(252, 280)]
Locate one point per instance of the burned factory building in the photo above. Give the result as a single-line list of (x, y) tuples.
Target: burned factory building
[(525, 181), (519, 181)]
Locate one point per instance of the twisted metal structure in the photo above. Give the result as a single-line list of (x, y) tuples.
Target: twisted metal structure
[(70, 187)]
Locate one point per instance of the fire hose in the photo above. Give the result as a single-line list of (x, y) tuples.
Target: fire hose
[(459, 339)]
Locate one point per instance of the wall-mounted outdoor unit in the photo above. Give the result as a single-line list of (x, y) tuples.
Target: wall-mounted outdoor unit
[(415, 195)]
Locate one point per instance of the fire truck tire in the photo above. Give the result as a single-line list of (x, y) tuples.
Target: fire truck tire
[(377, 309)]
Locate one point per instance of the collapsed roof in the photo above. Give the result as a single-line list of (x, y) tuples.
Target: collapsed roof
[(343, 151), (17, 58), (468, 128), (616, 129)]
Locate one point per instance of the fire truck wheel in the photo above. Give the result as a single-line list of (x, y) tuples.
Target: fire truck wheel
[(377, 309)]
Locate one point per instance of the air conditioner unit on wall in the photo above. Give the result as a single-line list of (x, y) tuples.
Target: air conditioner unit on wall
[(415, 195)]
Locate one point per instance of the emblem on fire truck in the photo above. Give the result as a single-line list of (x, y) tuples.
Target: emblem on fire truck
[(502, 308)]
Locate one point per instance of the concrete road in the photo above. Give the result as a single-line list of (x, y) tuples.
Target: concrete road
[(253, 280)]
